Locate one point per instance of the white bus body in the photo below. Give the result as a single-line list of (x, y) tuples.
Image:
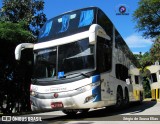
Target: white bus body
[(91, 68)]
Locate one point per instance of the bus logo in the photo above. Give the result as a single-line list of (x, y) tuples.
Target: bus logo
[(122, 10)]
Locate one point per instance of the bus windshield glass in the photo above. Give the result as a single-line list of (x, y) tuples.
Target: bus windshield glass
[(67, 24), (45, 63), (68, 58)]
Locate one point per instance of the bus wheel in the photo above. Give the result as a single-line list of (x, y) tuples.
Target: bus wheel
[(141, 98), (126, 99), (70, 112), (119, 98)]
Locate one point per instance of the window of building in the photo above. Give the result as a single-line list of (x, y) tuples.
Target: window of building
[(154, 77), (136, 79)]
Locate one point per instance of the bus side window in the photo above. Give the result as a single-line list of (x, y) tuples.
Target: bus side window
[(104, 55)]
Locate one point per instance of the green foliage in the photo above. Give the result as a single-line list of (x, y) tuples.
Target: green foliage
[(19, 22), (144, 60), (155, 50), (30, 11), (147, 17), (15, 32), (147, 88)]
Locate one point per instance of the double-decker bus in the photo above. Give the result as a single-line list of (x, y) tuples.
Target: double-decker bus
[(82, 62), (155, 80)]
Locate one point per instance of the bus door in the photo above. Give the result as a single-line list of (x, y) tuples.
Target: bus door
[(104, 64)]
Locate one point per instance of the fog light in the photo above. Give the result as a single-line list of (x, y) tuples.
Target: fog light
[(32, 93)]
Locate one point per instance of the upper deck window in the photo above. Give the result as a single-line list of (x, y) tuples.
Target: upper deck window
[(86, 18), (46, 30), (67, 24)]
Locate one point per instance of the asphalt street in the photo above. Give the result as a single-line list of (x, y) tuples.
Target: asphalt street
[(146, 113)]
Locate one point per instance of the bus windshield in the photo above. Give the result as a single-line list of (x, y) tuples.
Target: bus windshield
[(67, 24), (68, 58)]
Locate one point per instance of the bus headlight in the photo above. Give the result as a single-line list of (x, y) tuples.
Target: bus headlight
[(88, 87), (33, 93), (85, 88)]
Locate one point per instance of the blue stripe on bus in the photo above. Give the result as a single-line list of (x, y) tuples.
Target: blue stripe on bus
[(95, 78), (96, 91)]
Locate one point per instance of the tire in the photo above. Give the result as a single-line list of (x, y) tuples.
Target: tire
[(141, 98), (119, 99), (126, 100), (70, 112)]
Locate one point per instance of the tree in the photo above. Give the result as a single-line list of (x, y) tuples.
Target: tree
[(11, 34), (19, 22), (147, 17), (144, 59), (15, 33), (155, 50), (30, 11)]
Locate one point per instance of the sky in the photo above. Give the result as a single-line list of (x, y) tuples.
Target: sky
[(123, 23)]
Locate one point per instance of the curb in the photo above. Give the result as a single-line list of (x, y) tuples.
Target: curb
[(150, 99)]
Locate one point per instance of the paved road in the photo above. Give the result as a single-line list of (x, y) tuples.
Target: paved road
[(140, 113), (147, 110)]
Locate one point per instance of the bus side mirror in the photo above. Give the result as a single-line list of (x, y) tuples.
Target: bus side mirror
[(21, 47), (95, 30), (128, 81)]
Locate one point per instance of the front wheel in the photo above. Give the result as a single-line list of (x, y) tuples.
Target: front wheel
[(126, 100)]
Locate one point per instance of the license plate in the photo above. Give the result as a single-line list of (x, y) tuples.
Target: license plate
[(57, 105)]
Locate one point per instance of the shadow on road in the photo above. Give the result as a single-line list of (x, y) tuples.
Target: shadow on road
[(106, 112)]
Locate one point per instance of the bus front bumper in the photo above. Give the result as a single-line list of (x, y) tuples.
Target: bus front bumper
[(81, 101)]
